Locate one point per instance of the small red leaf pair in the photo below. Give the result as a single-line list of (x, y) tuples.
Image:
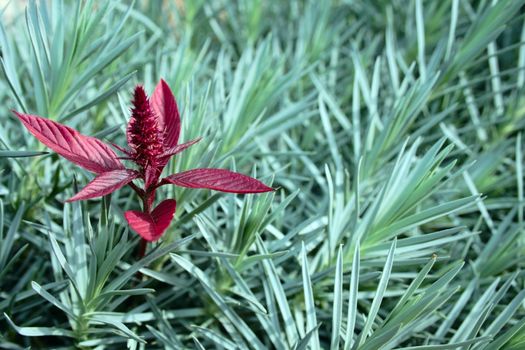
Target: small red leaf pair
[(151, 226)]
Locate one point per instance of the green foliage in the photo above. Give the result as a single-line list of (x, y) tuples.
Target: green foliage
[(392, 131)]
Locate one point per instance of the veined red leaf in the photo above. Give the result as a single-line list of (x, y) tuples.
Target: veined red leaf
[(165, 157), (85, 151), (105, 183), (152, 226), (219, 180), (165, 107), (179, 148)]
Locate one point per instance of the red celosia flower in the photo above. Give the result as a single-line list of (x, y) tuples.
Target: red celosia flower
[(153, 135)]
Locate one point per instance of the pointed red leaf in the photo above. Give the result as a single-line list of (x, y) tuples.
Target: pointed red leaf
[(152, 226), (218, 180), (105, 183), (165, 157), (165, 107), (179, 148), (88, 152)]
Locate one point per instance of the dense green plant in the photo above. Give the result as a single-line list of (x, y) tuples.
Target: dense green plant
[(392, 130)]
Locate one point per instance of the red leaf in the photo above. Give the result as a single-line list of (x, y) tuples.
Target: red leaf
[(152, 226), (165, 107), (219, 180), (179, 148), (88, 152), (105, 183), (165, 157)]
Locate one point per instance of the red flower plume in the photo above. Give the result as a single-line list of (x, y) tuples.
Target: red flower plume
[(152, 134)]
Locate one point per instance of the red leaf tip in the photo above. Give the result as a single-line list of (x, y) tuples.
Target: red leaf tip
[(164, 105)]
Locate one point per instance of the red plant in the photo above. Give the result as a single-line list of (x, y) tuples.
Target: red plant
[(152, 134)]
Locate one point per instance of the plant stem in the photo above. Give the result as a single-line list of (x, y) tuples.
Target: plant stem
[(142, 248), (143, 243), (139, 191)]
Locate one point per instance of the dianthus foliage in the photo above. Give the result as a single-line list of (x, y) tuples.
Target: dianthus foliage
[(391, 131)]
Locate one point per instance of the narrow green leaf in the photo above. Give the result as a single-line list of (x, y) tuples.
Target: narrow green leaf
[(40, 331), (380, 293), (337, 312), (352, 299), (311, 319)]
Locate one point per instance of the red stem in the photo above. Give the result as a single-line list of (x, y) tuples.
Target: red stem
[(142, 248), (137, 189), (145, 202)]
